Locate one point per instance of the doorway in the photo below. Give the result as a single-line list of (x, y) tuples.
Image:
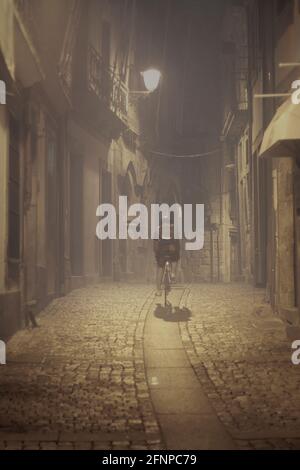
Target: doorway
[(107, 248), (52, 213), (234, 257), (297, 230), (76, 215)]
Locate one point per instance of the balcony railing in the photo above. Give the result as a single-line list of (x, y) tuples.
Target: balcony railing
[(119, 97), (65, 67), (235, 113), (106, 85)]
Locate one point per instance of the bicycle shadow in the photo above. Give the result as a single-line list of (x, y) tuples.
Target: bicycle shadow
[(171, 314)]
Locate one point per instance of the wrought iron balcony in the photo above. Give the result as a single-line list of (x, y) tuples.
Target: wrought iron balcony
[(108, 87), (65, 66), (236, 110)]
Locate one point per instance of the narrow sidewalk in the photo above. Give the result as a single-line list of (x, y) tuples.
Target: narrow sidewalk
[(187, 420)]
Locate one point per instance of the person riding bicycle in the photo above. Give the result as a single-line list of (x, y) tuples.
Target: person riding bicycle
[(166, 248)]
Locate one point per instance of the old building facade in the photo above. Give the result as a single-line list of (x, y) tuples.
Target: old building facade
[(74, 133), (263, 53), (69, 141)]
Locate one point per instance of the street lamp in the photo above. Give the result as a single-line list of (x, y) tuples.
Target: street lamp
[(151, 79)]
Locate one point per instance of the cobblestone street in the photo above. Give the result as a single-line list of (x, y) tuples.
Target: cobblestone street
[(82, 380), (242, 357), (81, 373)]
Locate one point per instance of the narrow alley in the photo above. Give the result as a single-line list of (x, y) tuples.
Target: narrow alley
[(149, 228), (109, 368)]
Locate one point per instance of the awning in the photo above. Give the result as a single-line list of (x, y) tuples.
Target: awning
[(283, 132)]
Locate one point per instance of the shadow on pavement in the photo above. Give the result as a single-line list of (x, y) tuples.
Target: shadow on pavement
[(171, 314)]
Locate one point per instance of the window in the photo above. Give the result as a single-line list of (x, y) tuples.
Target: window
[(76, 215), (107, 247), (52, 210), (247, 151)]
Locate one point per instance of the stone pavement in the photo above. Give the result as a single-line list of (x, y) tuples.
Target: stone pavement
[(186, 418), (242, 358), (108, 369), (78, 381)]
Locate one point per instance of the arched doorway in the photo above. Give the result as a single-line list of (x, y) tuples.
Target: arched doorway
[(127, 248)]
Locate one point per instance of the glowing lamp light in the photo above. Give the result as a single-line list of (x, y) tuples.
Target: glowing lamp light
[(151, 79)]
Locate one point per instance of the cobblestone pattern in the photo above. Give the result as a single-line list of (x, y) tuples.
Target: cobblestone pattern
[(240, 354), (74, 445), (81, 375), (78, 381)]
